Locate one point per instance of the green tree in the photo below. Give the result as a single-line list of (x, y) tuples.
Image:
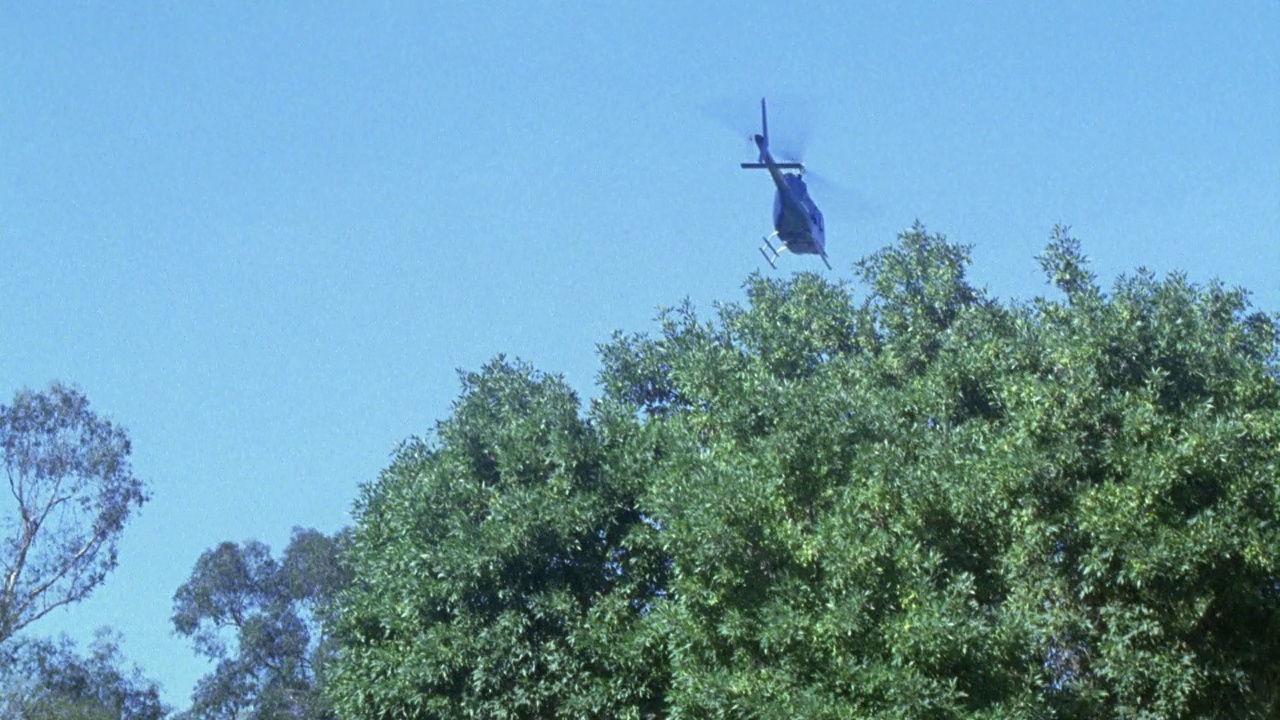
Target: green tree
[(266, 625), (917, 503), (72, 492), (503, 569), (51, 680)]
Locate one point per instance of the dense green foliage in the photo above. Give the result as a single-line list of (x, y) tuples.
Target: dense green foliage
[(71, 492), (51, 680), (265, 623), (503, 572), (922, 504)]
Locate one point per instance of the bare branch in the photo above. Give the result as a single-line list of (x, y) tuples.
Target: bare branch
[(73, 564)]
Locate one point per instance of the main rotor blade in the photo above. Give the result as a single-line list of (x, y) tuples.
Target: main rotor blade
[(789, 122), (838, 199)]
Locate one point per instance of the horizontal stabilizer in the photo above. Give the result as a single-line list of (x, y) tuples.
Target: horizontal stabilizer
[(780, 166)]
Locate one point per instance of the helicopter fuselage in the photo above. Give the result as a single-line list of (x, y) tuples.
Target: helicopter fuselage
[(797, 220)]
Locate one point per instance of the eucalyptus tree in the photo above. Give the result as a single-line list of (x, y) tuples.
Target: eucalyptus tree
[(265, 623), (41, 678), (71, 492)]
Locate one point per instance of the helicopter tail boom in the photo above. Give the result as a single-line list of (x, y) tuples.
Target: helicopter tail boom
[(764, 131), (762, 141)]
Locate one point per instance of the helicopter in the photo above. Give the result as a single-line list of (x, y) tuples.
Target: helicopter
[(797, 221)]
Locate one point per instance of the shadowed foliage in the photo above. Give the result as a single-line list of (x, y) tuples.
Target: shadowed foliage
[(48, 679), (265, 624)]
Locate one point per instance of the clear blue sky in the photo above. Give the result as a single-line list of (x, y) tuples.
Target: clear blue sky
[(262, 237)]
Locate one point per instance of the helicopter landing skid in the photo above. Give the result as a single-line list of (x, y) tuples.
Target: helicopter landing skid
[(772, 249)]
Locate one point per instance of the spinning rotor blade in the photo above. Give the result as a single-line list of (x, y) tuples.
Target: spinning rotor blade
[(789, 123), (838, 199)]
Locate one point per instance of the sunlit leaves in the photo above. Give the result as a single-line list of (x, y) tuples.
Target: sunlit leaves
[(900, 499), (938, 504), (504, 568)]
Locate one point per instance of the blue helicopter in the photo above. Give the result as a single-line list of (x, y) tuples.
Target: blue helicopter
[(797, 221)]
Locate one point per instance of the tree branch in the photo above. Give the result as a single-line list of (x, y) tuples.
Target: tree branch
[(73, 564)]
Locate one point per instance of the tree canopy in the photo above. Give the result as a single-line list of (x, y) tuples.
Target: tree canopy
[(265, 624), (902, 498), (72, 491), (504, 571), (50, 679)]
